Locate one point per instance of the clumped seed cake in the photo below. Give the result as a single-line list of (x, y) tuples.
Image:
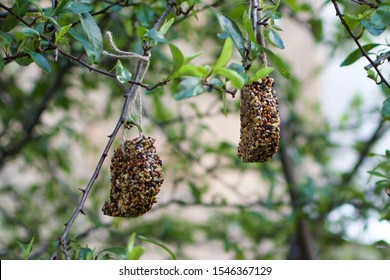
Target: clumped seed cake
[(136, 178), (260, 121)]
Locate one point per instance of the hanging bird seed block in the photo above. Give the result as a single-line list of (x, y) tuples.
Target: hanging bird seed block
[(136, 178), (260, 122)]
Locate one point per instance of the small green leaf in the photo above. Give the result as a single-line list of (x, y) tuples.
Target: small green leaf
[(122, 73), (274, 39), (143, 238), (373, 29), (26, 248), (192, 71), (371, 74), (261, 73), (74, 8), (20, 9), (141, 32), (377, 174), (85, 43), (30, 32), (316, 28), (231, 28), (189, 58), (278, 63), (178, 58), (5, 39), (41, 61), (119, 251), (136, 253), (84, 254), (357, 54), (189, 87), (235, 78), (155, 36), (61, 5), (94, 35), (61, 33), (133, 252), (165, 27), (248, 26), (225, 55), (386, 110)]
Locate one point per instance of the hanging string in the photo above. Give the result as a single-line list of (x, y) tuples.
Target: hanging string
[(135, 111)]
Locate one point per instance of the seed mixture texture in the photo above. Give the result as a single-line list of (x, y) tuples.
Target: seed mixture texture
[(260, 121), (136, 178)]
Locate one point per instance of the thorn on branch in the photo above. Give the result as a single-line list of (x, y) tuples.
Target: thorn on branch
[(82, 212), (82, 190)]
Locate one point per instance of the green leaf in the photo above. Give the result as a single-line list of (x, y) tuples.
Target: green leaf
[(155, 36), (377, 174), (5, 39), (61, 33), (278, 63), (85, 43), (371, 74), (122, 73), (189, 87), (74, 8), (61, 5), (41, 61), (30, 32), (274, 39), (192, 70), (316, 28), (178, 58), (235, 78), (84, 254), (119, 251), (165, 27), (231, 28), (136, 253), (386, 109), (94, 35), (20, 9), (372, 28), (143, 238), (225, 55), (261, 73), (133, 252), (381, 18), (141, 31), (248, 26), (26, 248), (189, 58)]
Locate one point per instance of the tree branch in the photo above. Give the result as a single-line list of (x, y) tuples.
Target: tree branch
[(380, 130), (31, 121), (302, 242), (356, 40)]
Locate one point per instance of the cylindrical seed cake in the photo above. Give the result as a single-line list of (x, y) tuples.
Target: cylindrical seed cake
[(260, 122)]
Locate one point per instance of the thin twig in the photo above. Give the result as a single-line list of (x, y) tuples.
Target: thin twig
[(379, 60), (377, 134), (356, 40), (140, 73), (362, 2)]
